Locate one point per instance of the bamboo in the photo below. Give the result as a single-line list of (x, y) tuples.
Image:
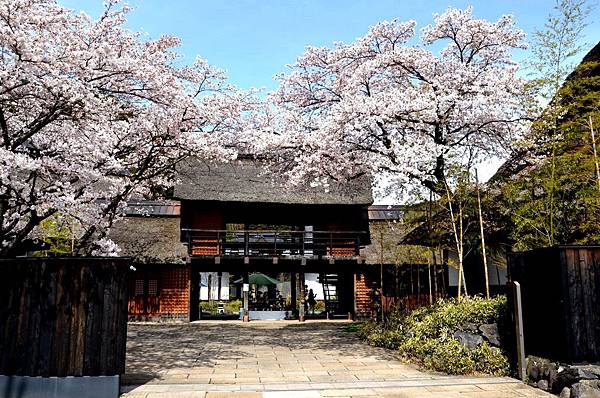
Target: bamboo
[(485, 267), (435, 275), (462, 248), (429, 280), (595, 152), (458, 242)]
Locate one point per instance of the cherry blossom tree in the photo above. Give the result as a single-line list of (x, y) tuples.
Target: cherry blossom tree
[(400, 106), (92, 113)]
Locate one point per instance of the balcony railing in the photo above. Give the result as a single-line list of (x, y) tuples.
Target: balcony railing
[(273, 243)]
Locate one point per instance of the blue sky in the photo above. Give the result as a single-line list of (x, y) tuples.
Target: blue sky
[(254, 39)]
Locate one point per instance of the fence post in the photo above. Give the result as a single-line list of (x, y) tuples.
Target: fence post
[(518, 312)]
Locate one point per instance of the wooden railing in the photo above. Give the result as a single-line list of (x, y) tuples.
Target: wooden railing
[(273, 243)]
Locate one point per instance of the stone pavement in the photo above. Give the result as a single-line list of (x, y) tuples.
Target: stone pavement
[(283, 359)]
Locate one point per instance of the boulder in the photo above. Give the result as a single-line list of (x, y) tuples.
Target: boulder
[(565, 393), (548, 368), (490, 333), (533, 368), (570, 376), (584, 390), (470, 327), (591, 383), (552, 374), (468, 339), (588, 372)]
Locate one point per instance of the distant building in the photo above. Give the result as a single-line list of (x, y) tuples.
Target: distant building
[(231, 220)]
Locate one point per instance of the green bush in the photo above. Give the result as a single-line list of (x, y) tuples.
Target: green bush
[(233, 306), (425, 335), (212, 306), (209, 306), (319, 306)]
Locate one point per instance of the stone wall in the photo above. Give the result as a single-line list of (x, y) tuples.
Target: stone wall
[(567, 381)]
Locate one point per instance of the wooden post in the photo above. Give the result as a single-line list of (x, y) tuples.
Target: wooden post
[(246, 243), (246, 292), (302, 298), (518, 312), (219, 279), (194, 312), (354, 306), (293, 295)]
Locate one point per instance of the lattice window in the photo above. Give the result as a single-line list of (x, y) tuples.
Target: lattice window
[(175, 297), (139, 287), (152, 287)]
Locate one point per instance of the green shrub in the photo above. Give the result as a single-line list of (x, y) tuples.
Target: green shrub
[(448, 355), (212, 306), (319, 307), (209, 306), (490, 360), (233, 306), (425, 335)]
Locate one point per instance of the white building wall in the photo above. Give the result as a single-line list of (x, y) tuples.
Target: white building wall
[(212, 278)]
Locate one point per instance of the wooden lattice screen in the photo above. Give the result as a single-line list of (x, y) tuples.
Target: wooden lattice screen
[(175, 292)]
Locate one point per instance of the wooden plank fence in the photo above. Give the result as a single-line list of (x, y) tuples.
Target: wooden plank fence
[(63, 316), (561, 301)]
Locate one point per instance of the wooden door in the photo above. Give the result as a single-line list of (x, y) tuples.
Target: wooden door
[(144, 298)]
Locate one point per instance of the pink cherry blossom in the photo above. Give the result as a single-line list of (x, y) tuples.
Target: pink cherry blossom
[(403, 107), (92, 113)]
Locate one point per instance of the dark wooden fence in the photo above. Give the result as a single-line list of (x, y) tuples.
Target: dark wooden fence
[(560, 289), (405, 287), (63, 316)]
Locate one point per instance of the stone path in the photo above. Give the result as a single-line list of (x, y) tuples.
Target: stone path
[(283, 359)]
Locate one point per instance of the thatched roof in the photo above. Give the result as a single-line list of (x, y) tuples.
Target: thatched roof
[(523, 159), (149, 239), (247, 181)]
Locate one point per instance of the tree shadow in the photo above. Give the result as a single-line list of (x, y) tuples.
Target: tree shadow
[(155, 349)]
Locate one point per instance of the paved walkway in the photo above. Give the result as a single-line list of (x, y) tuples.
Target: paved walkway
[(283, 359)]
